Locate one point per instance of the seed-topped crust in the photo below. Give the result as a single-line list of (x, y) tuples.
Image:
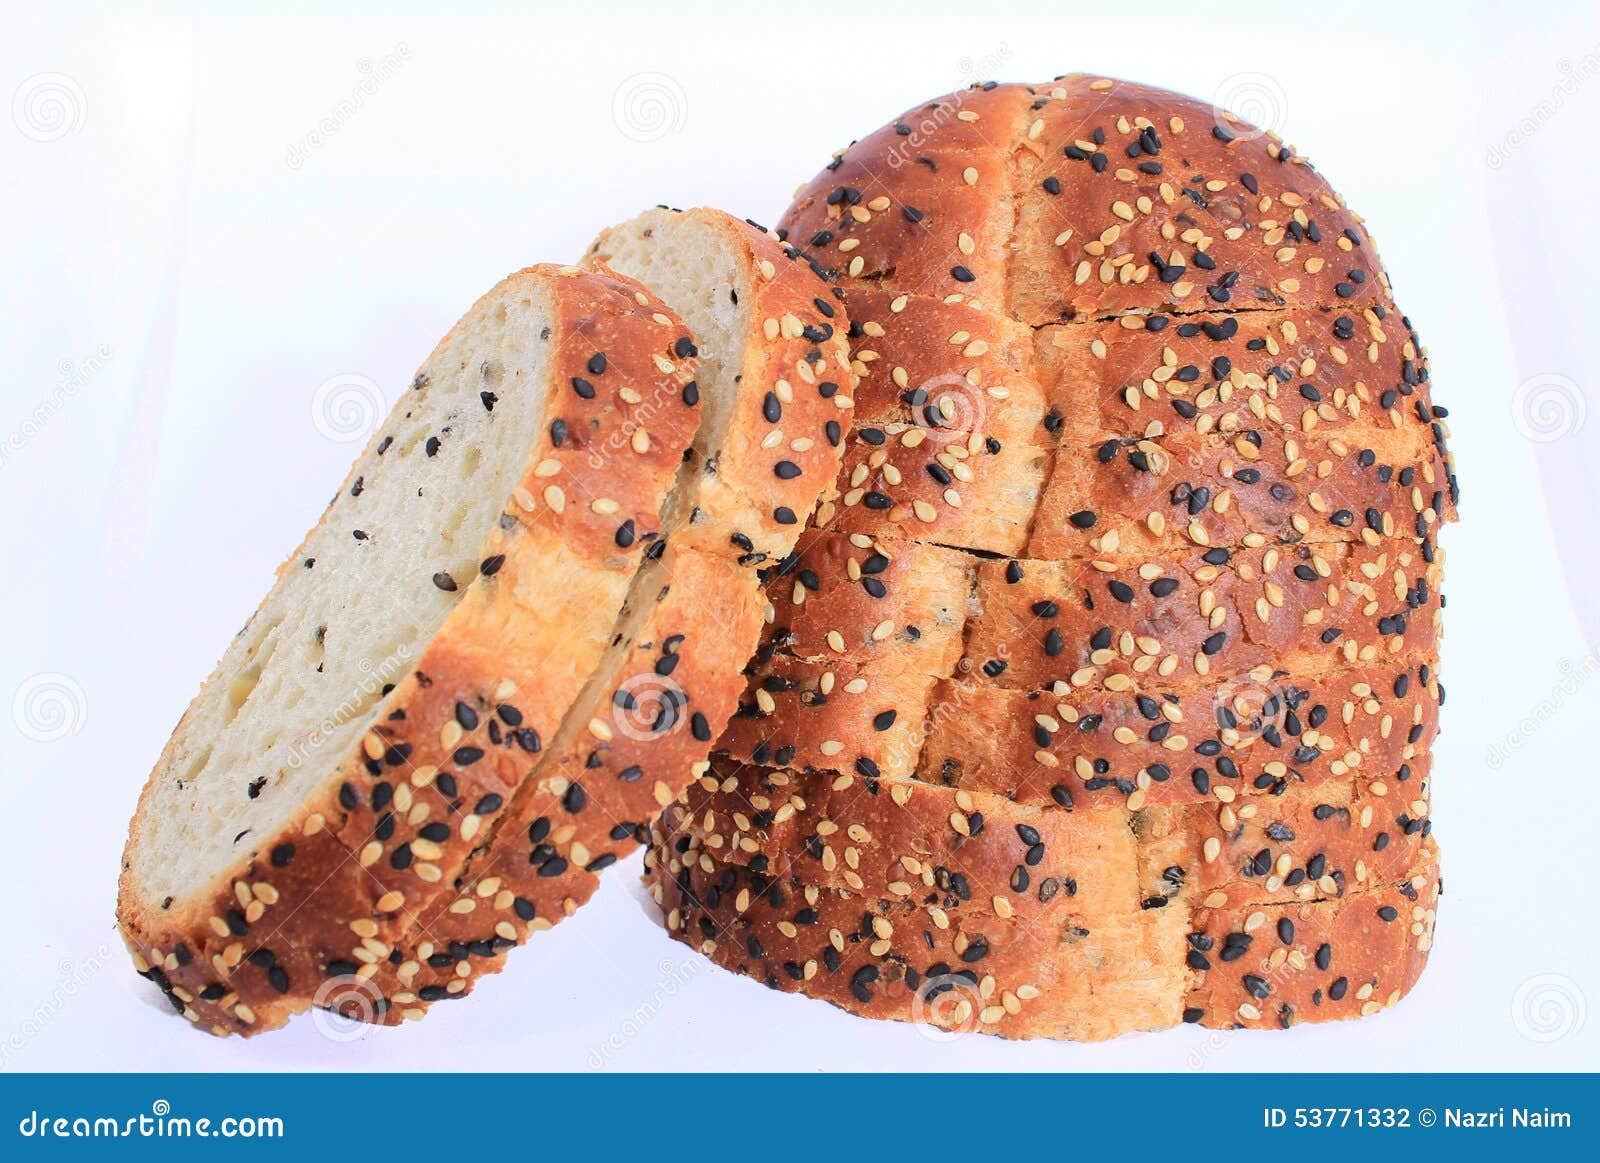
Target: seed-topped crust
[(889, 835), (1082, 198), (884, 897), (782, 446), (480, 809), (452, 740), (643, 727), (640, 732), (1253, 734), (1174, 574), (1182, 619)]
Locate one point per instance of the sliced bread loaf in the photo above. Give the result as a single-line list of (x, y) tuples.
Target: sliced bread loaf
[(1135, 566)]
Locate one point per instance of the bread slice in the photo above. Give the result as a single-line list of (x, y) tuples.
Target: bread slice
[(575, 612), (470, 569), (760, 317), (775, 383)]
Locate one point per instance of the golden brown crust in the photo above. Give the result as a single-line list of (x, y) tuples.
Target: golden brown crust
[(1082, 198), (968, 489), (928, 211), (473, 737), (781, 447), (1274, 232), (1051, 954), (1202, 625), (1201, 617), (888, 836), (588, 801), (648, 719), (1329, 372), (1148, 496), (357, 855), (926, 362), (1250, 735), (853, 598)]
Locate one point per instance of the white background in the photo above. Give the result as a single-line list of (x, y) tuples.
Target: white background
[(228, 211)]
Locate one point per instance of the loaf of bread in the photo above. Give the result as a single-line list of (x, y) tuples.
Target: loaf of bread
[(494, 658), (1105, 700)]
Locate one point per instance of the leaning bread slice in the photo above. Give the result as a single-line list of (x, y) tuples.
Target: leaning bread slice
[(400, 679), (773, 335), (775, 385)]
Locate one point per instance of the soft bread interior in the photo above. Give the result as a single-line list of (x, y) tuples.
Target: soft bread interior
[(352, 612)]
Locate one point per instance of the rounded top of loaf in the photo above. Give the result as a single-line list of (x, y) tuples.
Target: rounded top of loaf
[(1082, 198)]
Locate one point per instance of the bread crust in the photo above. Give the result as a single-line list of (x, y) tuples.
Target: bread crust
[(879, 902), (974, 175), (657, 711), (1180, 609), (1300, 610), (347, 906), (781, 449)]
